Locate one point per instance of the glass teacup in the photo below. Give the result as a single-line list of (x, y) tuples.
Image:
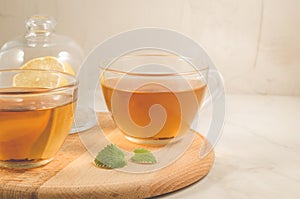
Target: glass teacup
[(36, 114), (153, 97)]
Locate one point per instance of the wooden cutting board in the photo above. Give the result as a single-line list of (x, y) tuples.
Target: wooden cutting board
[(72, 174)]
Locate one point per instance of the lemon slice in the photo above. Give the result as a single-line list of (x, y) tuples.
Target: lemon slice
[(48, 63), (40, 79)]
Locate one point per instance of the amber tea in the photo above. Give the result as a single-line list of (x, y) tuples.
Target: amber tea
[(149, 110), (33, 128)]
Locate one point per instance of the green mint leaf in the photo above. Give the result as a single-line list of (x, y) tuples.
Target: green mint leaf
[(110, 157), (143, 156)]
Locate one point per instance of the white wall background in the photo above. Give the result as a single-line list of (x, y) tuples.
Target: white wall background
[(254, 43)]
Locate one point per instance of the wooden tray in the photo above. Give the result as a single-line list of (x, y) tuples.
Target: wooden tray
[(72, 174)]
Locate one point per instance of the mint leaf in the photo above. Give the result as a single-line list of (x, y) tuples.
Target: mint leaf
[(143, 156), (110, 157)]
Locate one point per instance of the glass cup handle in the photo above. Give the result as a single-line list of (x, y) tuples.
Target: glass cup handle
[(214, 86), (217, 100)]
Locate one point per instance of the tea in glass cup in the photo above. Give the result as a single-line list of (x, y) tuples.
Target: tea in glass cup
[(36, 114), (150, 102)]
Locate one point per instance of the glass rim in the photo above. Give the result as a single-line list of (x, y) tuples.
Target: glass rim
[(188, 72), (36, 90)]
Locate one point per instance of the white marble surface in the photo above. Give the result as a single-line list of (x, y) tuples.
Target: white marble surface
[(258, 155), (254, 43)]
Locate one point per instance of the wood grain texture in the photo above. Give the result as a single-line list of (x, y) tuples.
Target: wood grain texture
[(72, 174)]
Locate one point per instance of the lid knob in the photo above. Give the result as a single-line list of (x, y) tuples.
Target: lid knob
[(39, 25)]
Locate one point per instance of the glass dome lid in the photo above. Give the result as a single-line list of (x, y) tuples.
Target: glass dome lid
[(41, 48)]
